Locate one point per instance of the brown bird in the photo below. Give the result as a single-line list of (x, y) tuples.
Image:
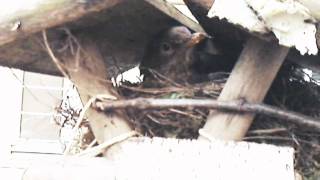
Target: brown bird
[(183, 56), (170, 53)]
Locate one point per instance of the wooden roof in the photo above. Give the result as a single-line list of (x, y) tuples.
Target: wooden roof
[(121, 28), (125, 25)]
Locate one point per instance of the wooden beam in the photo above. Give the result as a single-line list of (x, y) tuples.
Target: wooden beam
[(171, 11), (28, 54), (43, 14), (89, 74), (141, 19), (144, 158), (250, 80)]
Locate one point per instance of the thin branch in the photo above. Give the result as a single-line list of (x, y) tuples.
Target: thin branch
[(268, 131), (233, 106), (59, 65), (282, 139), (81, 118), (94, 151)]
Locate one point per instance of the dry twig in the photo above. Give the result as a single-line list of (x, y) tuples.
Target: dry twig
[(94, 151), (233, 106), (81, 118), (268, 131), (59, 65)]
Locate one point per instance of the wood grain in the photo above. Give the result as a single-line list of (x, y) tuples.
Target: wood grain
[(47, 14), (250, 80), (158, 159), (122, 28), (91, 79)]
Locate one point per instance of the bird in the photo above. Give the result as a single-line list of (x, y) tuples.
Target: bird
[(183, 56), (169, 53)]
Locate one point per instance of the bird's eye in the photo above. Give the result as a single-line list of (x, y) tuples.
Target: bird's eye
[(166, 47)]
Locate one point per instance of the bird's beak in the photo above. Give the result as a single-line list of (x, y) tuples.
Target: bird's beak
[(196, 38)]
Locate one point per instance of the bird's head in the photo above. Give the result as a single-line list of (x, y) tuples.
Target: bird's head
[(168, 44)]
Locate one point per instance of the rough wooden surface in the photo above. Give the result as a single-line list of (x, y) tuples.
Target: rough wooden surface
[(45, 14), (116, 35), (122, 28), (220, 29), (144, 158), (139, 21), (170, 10), (91, 79), (250, 80)]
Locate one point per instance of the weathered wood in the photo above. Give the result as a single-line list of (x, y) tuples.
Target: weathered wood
[(101, 18), (45, 14), (170, 10), (250, 80), (227, 32), (144, 158), (89, 73), (27, 54), (140, 20), (102, 46)]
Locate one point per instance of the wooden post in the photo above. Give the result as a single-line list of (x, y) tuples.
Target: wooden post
[(90, 78), (250, 80)]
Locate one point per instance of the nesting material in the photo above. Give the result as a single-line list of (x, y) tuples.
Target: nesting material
[(293, 90)]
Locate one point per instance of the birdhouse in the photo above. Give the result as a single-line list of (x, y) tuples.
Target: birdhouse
[(91, 41)]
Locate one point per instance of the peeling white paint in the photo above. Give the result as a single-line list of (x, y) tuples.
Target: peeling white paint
[(290, 21), (237, 12), (313, 6), (287, 21)]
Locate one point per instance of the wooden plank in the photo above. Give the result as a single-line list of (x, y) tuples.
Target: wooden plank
[(140, 20), (22, 21), (158, 158), (90, 78), (171, 11), (37, 146), (219, 29), (250, 80)]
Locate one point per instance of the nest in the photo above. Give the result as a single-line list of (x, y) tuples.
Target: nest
[(172, 122), (292, 90)]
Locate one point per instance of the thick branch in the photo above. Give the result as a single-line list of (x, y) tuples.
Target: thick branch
[(234, 106)]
